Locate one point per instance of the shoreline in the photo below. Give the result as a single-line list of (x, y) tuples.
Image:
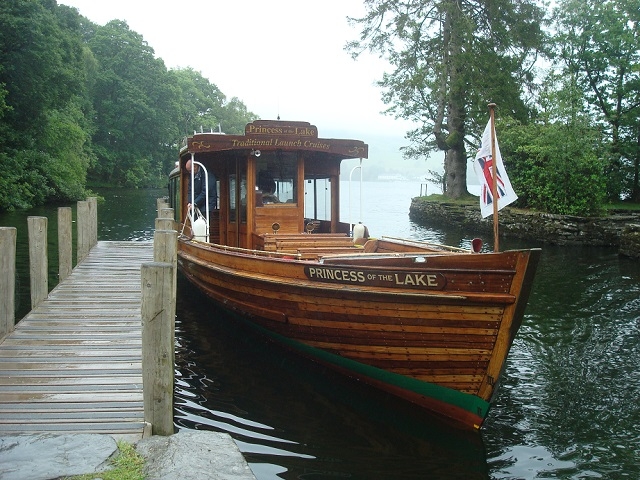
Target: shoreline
[(620, 229)]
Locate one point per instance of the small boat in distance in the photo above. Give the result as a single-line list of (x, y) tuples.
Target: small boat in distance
[(427, 323)]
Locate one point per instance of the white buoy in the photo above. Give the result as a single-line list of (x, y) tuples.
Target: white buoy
[(200, 230), (360, 231)]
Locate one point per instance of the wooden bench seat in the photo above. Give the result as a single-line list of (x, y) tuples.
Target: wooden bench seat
[(292, 242)]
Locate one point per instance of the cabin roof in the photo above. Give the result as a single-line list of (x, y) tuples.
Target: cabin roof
[(271, 135)]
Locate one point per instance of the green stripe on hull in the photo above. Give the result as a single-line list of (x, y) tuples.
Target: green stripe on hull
[(464, 401)]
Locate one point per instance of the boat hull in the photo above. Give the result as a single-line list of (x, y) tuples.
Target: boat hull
[(434, 330)]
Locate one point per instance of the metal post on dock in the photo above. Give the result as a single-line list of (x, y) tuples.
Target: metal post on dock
[(38, 262), (65, 243), (8, 237)]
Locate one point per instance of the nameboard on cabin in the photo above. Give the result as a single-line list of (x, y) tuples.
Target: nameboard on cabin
[(271, 128), (277, 135)]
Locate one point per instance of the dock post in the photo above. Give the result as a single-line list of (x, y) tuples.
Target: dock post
[(160, 204), (166, 213), (93, 221), (164, 224), (65, 243), (165, 249), (165, 246), (8, 237), (84, 237), (158, 337), (38, 263)]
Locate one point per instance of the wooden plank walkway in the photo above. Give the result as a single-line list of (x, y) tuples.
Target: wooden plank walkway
[(74, 364)]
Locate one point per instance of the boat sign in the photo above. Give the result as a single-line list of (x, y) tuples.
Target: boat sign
[(379, 278)]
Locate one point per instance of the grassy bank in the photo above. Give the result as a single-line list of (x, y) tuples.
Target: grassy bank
[(127, 465)]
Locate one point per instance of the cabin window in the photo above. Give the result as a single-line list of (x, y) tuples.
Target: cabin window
[(317, 198), (238, 198), (174, 196), (276, 177)]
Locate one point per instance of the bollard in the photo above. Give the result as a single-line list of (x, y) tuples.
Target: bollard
[(158, 337), (84, 237), (8, 237), (38, 264), (65, 243)]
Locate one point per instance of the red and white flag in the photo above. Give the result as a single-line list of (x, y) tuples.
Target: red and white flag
[(483, 166)]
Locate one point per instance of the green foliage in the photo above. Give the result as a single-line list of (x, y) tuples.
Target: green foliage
[(127, 465), (22, 183), (65, 141), (597, 45), (555, 167), (205, 107), (81, 102), (135, 105), (43, 129)]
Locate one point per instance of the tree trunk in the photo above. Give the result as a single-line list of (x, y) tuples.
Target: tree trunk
[(635, 188), (456, 156), (456, 176)]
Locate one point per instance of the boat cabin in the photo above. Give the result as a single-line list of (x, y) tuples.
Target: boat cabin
[(279, 179)]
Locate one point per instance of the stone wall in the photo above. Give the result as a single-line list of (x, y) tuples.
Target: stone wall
[(630, 240), (621, 229)]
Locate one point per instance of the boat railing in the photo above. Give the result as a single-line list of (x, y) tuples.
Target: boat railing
[(247, 251)]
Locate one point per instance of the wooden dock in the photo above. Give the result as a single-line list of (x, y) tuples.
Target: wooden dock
[(73, 365)]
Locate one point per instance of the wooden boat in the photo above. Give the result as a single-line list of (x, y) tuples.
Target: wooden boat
[(430, 324)]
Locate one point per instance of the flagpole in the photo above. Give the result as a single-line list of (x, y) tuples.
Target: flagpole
[(494, 175)]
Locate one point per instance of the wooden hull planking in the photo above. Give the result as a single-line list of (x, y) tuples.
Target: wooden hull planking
[(443, 349)]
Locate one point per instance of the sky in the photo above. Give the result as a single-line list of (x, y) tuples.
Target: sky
[(280, 58)]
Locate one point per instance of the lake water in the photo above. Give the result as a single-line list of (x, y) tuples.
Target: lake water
[(567, 407)]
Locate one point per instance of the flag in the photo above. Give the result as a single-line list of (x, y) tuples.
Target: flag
[(483, 166)]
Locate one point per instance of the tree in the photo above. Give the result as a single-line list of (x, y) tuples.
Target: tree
[(42, 91), (449, 59), (556, 167), (598, 42), (135, 100), (199, 101), (204, 106)]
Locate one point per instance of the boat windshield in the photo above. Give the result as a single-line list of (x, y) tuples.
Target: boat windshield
[(277, 177)]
